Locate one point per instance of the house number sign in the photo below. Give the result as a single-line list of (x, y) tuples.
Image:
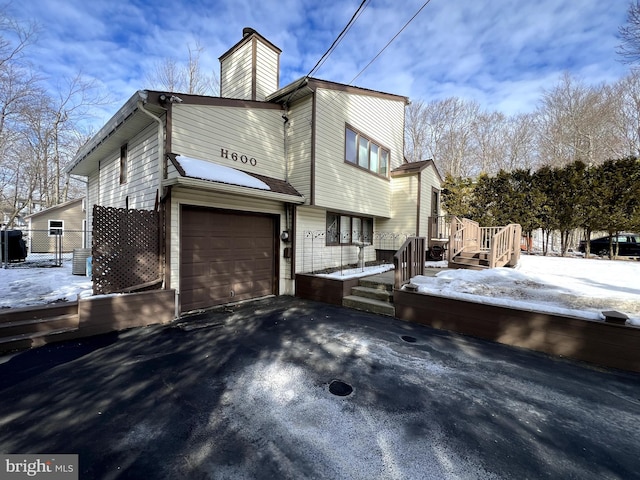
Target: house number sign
[(224, 153)]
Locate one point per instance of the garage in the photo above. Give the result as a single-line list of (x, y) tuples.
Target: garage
[(225, 256)]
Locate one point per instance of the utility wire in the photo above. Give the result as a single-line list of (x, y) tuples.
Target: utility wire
[(390, 41), (335, 43), (339, 38)]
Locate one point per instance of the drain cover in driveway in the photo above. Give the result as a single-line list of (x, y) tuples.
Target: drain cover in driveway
[(409, 338), (340, 388)]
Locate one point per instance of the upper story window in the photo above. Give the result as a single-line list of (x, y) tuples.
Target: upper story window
[(366, 153), (124, 163)]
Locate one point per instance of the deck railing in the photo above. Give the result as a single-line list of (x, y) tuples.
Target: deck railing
[(440, 228), (504, 246), (500, 244), (409, 260), (465, 235)]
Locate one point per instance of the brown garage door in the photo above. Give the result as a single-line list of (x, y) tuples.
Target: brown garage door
[(225, 257)]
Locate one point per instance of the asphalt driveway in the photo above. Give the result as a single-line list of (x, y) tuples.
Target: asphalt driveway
[(247, 392)]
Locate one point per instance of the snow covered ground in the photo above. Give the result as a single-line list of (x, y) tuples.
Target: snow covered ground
[(571, 286), (23, 286)]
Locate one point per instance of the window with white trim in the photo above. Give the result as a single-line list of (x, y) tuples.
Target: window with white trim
[(56, 228), (365, 153)]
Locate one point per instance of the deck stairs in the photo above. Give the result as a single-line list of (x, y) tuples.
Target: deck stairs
[(477, 248), (23, 328), (373, 294), (470, 260)]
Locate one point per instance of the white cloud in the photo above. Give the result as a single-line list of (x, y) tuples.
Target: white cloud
[(497, 52)]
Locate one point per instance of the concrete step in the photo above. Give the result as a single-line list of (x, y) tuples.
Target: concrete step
[(369, 305), (376, 284), (375, 293)]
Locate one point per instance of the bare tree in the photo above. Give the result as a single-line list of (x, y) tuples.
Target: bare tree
[(626, 96), (519, 137), (415, 131), (575, 123), (489, 129), (170, 75), (629, 49)]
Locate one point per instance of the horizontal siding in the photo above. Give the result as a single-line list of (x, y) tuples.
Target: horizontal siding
[(299, 146), (142, 183), (204, 131), (93, 198), (235, 74), (404, 207), (429, 180), (342, 186), (266, 71), (312, 253)]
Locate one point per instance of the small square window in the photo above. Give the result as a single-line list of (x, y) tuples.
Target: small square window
[(56, 227)]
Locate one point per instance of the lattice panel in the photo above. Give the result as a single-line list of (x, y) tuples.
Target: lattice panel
[(125, 248)]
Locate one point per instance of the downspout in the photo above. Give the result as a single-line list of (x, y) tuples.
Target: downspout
[(160, 138), (141, 102)]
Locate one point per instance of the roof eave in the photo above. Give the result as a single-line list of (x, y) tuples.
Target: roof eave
[(232, 189)]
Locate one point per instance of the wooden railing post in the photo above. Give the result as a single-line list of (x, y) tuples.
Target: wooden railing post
[(409, 260)]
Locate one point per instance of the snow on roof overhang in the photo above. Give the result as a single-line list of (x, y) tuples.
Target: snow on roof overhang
[(210, 175)]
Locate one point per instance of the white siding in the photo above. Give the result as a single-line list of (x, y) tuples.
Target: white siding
[(93, 192), (142, 182), (343, 186), (299, 146), (312, 253), (429, 181), (235, 73), (404, 208), (206, 131), (266, 71), (222, 201)]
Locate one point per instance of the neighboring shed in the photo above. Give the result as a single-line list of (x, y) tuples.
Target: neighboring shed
[(65, 221)]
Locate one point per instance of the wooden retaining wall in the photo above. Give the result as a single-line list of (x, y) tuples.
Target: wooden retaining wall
[(321, 289), (24, 328), (605, 344), (102, 314)]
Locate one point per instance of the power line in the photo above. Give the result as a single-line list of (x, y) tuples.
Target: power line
[(335, 43), (339, 38), (390, 41)]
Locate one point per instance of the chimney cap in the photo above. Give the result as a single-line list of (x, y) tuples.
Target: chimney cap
[(246, 31)]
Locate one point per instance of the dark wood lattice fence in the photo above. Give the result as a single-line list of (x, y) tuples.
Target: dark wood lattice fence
[(125, 249)]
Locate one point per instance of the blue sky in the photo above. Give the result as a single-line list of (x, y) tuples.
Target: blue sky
[(500, 53)]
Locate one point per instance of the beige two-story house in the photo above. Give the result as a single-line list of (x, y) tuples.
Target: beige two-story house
[(262, 182)]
